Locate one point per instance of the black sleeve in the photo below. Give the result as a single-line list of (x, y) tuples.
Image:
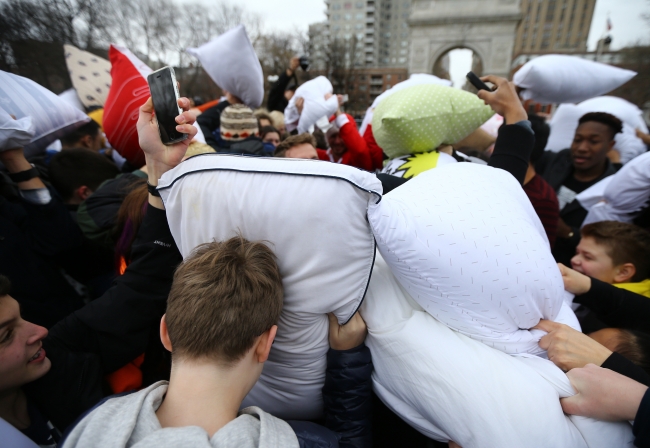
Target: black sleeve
[(210, 120), (347, 395), (641, 426), (109, 332), (617, 307), (276, 98), (49, 228), (544, 160), (389, 182), (512, 150), (116, 326), (620, 364)]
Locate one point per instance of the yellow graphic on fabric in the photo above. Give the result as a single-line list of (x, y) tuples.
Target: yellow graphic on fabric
[(419, 163), (642, 288)]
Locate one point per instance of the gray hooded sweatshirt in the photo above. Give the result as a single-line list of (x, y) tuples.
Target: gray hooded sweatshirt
[(131, 421)]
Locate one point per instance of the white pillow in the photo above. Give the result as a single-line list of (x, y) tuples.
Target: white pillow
[(558, 78), (563, 126), (233, 65), (52, 117), (70, 96), (414, 80), (625, 111), (450, 387), (315, 106), (465, 241), (628, 144), (313, 214), (15, 133), (623, 195), (90, 75)]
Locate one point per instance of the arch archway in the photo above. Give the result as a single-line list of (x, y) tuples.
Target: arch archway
[(455, 62), (487, 27)]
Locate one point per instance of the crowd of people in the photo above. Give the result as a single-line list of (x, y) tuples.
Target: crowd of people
[(108, 337)]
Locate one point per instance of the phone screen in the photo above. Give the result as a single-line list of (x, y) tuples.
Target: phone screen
[(163, 94)]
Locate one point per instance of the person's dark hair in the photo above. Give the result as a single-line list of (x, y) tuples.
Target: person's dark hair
[(267, 130), (261, 115), (5, 286), (624, 242), (91, 128), (542, 131), (635, 346), (321, 141), (73, 168), (129, 218), (607, 119), (294, 140)]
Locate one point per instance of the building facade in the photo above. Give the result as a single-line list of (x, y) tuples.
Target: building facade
[(554, 26)]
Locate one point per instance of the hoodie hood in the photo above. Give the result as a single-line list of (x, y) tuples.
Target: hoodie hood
[(130, 421)]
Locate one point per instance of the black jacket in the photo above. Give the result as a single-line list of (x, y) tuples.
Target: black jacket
[(109, 332), (251, 146), (32, 238), (276, 100), (619, 308), (641, 426), (347, 395), (556, 168), (210, 120)]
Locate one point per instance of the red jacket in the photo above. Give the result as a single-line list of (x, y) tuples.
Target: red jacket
[(357, 154)]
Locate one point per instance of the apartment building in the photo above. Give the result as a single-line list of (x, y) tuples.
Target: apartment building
[(554, 26)]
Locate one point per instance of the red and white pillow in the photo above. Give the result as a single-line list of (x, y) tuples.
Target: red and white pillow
[(129, 90)]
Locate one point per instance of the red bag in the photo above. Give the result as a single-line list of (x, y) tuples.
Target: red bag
[(129, 90)]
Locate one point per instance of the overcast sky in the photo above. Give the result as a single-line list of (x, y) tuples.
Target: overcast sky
[(627, 25)]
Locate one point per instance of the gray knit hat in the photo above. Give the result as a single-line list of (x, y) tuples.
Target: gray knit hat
[(238, 123)]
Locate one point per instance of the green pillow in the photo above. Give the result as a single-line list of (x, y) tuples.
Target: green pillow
[(421, 118)]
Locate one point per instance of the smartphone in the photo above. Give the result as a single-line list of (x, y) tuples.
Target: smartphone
[(476, 82), (164, 93), (346, 98)]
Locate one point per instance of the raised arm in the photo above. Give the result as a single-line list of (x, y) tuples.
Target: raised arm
[(516, 139)]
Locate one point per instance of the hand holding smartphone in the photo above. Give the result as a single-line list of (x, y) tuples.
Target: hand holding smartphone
[(476, 82), (164, 94)]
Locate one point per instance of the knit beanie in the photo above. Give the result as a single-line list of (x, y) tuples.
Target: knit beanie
[(238, 123)]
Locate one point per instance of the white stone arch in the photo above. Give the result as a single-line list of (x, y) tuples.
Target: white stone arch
[(487, 27)]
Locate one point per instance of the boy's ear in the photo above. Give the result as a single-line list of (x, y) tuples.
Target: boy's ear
[(624, 273), (164, 334), (264, 344)]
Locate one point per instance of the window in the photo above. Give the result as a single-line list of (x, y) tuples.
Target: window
[(363, 87), (347, 5), (336, 6), (359, 16), (347, 16), (358, 26), (405, 15), (359, 5), (402, 60), (405, 34), (336, 28), (405, 43), (388, 78), (336, 17), (405, 25), (403, 51)]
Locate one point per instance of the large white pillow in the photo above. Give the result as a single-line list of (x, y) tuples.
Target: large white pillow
[(315, 106), (450, 387), (558, 78), (466, 243), (563, 126), (233, 65), (51, 116), (313, 214), (625, 111), (619, 197)]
